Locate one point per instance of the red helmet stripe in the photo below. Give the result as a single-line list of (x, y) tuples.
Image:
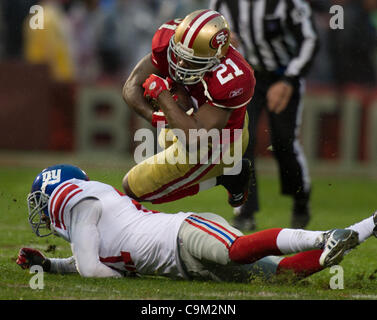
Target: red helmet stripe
[(199, 28), (192, 22)]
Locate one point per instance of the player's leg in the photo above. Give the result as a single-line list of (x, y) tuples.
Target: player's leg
[(299, 265), (204, 240), (334, 243), (245, 214), (366, 228), (233, 173), (293, 169), (208, 242), (164, 173), (159, 180)]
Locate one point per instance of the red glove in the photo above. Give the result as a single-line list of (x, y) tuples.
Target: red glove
[(28, 257), (154, 85), (158, 116)]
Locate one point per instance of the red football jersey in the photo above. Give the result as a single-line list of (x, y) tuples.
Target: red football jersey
[(230, 85)]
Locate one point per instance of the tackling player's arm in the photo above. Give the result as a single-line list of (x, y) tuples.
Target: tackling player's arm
[(85, 240), (133, 90), (28, 257)]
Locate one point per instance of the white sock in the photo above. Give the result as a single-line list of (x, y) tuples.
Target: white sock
[(298, 240), (364, 228)]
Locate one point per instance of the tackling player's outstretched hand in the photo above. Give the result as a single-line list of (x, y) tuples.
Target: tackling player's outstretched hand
[(154, 85), (28, 257)]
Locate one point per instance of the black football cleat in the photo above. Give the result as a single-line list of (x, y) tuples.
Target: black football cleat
[(336, 243), (237, 185)]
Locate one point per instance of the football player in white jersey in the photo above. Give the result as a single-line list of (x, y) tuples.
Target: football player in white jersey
[(112, 235)]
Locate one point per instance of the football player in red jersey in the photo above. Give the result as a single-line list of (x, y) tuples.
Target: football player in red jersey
[(193, 53)]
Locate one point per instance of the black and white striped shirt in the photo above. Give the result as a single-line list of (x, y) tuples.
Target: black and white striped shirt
[(276, 35)]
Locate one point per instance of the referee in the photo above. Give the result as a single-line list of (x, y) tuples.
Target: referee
[(279, 40)]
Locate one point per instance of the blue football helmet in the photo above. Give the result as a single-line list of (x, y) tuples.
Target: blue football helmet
[(43, 186)]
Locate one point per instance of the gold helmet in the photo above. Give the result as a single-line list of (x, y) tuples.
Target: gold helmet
[(199, 42)]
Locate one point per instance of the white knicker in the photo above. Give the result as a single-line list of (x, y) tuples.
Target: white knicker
[(204, 240)]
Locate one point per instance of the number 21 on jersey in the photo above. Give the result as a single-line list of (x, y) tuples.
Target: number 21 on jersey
[(223, 76)]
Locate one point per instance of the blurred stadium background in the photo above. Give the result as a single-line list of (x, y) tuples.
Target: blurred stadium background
[(60, 87)]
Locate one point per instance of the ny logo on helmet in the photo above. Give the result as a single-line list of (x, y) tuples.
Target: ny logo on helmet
[(220, 38), (51, 176)]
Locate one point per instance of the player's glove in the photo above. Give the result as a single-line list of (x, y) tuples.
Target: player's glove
[(159, 116), (28, 257), (154, 85)]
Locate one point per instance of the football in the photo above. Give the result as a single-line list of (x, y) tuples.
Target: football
[(184, 99)]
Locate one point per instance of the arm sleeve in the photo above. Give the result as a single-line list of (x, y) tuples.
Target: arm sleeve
[(62, 266), (85, 240), (300, 22)]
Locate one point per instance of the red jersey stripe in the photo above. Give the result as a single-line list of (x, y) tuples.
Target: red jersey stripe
[(125, 257), (111, 259), (140, 207)]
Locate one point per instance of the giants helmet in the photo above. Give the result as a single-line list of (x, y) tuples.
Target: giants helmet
[(199, 42), (41, 189)]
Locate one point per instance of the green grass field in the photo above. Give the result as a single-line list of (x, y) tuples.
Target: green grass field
[(338, 201)]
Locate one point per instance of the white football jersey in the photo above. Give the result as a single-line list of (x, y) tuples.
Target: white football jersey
[(132, 238)]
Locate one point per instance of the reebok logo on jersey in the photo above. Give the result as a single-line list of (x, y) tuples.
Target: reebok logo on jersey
[(235, 92)]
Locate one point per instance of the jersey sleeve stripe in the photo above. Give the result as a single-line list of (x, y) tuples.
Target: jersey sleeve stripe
[(55, 219), (62, 210), (58, 201)]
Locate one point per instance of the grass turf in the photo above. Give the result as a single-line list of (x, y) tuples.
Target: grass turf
[(337, 202)]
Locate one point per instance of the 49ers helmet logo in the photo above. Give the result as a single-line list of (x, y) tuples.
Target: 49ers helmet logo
[(219, 39)]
